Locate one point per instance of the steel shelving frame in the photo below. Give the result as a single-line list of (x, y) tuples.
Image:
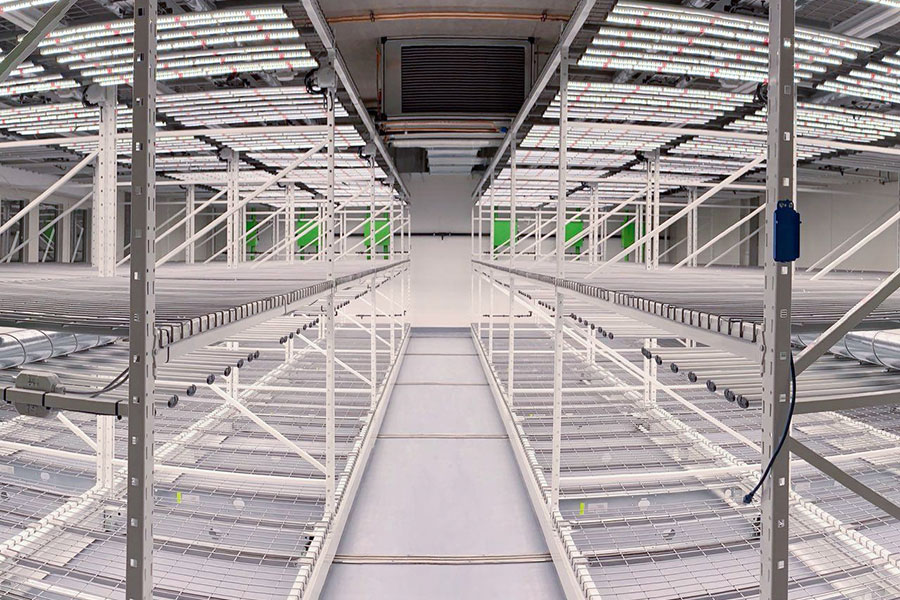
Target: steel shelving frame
[(653, 466), (314, 405), (758, 331)]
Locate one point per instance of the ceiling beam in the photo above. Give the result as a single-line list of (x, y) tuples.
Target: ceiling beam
[(571, 30), (869, 22), (35, 34), (326, 35)]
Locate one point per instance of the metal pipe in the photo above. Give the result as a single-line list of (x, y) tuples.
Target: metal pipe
[(25, 346), (372, 17)]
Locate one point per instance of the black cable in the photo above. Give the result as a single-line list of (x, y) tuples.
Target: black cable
[(787, 428), (116, 382), (112, 386)]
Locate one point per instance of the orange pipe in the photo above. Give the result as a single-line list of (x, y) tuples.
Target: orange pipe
[(482, 16), (445, 130)]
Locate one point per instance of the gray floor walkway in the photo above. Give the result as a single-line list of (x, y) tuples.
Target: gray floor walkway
[(442, 486)]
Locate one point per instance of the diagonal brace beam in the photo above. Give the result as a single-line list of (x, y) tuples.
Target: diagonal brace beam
[(851, 319), (266, 427), (243, 202), (30, 40), (347, 367), (688, 208), (845, 479)]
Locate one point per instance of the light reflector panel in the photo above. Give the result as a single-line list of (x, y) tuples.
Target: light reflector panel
[(202, 44), (670, 39), (646, 103)]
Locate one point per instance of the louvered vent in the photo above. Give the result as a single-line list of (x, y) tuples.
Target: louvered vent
[(468, 79)]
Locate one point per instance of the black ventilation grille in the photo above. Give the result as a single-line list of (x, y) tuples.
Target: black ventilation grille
[(462, 79)]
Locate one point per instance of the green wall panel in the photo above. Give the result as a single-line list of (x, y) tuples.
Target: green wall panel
[(572, 229), (501, 232), (252, 240)]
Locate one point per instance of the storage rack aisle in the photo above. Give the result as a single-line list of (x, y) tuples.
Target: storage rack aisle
[(250, 386), (654, 466), (442, 510), (240, 504)]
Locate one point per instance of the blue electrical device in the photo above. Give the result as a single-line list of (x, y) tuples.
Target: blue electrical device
[(786, 236)]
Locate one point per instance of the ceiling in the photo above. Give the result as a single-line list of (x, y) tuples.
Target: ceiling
[(360, 27)]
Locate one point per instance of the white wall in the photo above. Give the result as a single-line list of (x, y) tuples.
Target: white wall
[(829, 219), (441, 203), (441, 268), (710, 223), (441, 281)]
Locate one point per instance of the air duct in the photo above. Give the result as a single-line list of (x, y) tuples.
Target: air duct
[(24, 346), (880, 348)]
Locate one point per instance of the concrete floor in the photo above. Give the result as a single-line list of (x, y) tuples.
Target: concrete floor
[(442, 483)]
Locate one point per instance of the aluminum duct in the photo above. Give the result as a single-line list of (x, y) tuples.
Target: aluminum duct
[(874, 347), (24, 346)]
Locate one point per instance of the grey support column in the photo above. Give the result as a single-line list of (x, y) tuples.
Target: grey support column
[(780, 185), (142, 329)]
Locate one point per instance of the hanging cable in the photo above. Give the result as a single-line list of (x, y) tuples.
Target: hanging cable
[(784, 435), (115, 383)]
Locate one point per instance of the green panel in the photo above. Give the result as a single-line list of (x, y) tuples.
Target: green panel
[(309, 241), (382, 231), (628, 238), (501, 232), (573, 228), (253, 238), (382, 234)]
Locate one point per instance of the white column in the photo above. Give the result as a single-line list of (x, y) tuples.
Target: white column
[(106, 440), (233, 223), (373, 322), (391, 233), (638, 222), (560, 250), (654, 216), (604, 232), (511, 326), (64, 239), (190, 225), (30, 230), (481, 228), (592, 233), (646, 223), (320, 216), (330, 462), (105, 235), (104, 227), (492, 212), (694, 219), (290, 223)]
